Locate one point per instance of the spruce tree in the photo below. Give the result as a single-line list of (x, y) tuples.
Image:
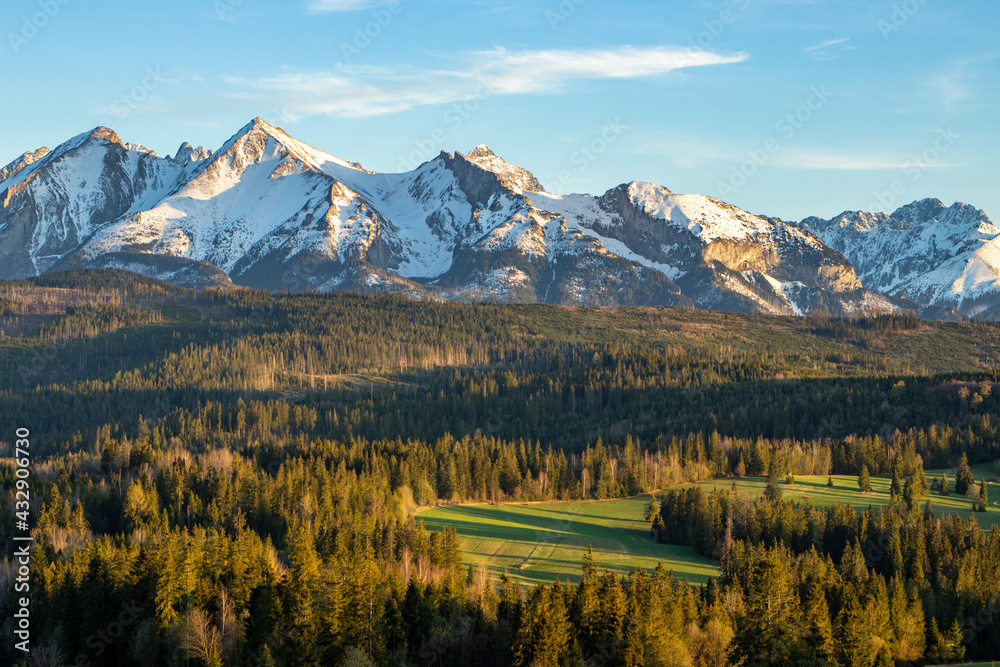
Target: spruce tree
[(864, 480), (544, 637), (819, 630), (855, 639), (652, 509), (953, 647), (963, 478), (934, 639), (773, 490), (920, 481)]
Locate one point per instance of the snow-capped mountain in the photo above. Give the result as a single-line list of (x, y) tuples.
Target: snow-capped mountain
[(268, 211), (934, 256)]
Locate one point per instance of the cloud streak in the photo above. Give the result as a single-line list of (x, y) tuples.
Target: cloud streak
[(359, 91), (821, 161), (825, 50), (325, 6)]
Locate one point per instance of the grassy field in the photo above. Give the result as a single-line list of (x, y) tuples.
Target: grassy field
[(542, 542), (845, 490)]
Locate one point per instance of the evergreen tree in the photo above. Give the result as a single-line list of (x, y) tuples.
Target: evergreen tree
[(953, 646), (768, 631), (895, 487), (855, 639), (935, 640), (920, 483), (864, 481), (818, 638), (544, 638), (304, 566), (652, 509), (983, 499), (773, 490), (963, 478)]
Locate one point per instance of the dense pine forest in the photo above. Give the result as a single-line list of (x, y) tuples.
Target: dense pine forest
[(231, 478)]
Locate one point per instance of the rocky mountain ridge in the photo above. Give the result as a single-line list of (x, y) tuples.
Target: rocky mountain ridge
[(268, 211)]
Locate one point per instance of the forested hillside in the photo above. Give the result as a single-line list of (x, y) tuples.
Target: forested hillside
[(230, 477)]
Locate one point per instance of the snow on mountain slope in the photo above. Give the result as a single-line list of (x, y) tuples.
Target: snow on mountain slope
[(21, 162), (680, 235), (234, 199), (264, 198), (273, 212), (50, 206), (186, 154), (514, 177), (940, 256)]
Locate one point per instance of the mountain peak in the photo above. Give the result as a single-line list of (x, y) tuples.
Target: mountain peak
[(256, 123), (512, 176), (106, 133), (922, 206), (481, 151), (21, 162), (187, 153), (930, 210)]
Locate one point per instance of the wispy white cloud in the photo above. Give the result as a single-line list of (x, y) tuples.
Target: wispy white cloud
[(324, 6), (681, 150), (830, 49), (827, 43), (357, 91), (959, 85), (829, 161)]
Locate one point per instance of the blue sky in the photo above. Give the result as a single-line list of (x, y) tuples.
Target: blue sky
[(782, 107)]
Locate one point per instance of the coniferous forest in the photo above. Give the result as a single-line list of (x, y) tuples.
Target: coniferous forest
[(232, 478)]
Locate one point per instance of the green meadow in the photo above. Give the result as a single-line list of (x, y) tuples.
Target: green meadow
[(845, 490), (542, 542)]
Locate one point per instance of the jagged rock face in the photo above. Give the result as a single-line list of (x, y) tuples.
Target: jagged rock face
[(186, 153), (932, 255), (268, 211), (51, 205), (512, 176), (21, 162), (766, 261)]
